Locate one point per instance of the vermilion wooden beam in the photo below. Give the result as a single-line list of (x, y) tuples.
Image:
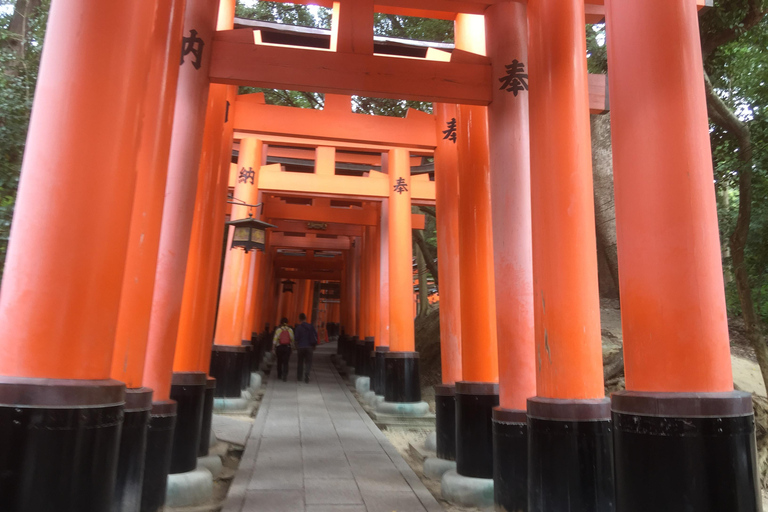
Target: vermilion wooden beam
[(436, 9), (356, 216), (243, 63), (335, 124), (315, 276), (307, 263), (466, 79), (295, 226), (309, 242)]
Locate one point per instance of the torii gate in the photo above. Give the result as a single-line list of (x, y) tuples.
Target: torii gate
[(134, 232)]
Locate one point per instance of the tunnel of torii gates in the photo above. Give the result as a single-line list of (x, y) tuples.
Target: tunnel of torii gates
[(106, 345)]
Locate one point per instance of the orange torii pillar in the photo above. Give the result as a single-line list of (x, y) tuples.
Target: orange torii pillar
[(478, 391), (447, 208), (402, 388), (139, 276), (570, 460), (186, 388), (365, 346), (194, 338), (507, 44), (378, 377), (684, 439), (229, 359), (61, 414), (350, 351)]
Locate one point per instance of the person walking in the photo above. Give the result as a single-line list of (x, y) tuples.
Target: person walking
[(306, 341), (283, 342)]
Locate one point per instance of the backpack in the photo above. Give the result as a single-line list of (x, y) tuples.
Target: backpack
[(285, 337)]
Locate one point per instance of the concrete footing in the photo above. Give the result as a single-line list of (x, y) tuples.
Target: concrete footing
[(467, 491), (189, 489), (212, 463), (230, 404), (363, 385), (430, 443), (405, 409), (435, 468)]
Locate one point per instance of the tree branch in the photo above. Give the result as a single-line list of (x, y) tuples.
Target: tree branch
[(754, 14), (429, 256)]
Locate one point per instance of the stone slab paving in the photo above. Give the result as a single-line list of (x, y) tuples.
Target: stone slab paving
[(312, 448), (231, 429)]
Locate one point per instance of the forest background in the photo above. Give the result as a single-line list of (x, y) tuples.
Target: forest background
[(734, 36)]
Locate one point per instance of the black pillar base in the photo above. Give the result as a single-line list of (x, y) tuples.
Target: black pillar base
[(188, 390), (445, 421), (358, 361), (228, 362), (510, 459), (379, 379), (368, 349), (60, 442), (474, 431), (157, 456), (133, 444), (402, 377), (245, 382), (205, 426), (685, 451), (350, 355), (258, 352), (570, 455)]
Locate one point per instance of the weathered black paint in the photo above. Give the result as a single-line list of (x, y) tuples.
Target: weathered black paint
[(380, 370), (677, 452), (445, 421), (570, 456), (402, 377), (60, 443), (205, 426), (188, 391), (157, 459), (133, 442), (370, 347), (228, 364), (510, 460), (474, 432)]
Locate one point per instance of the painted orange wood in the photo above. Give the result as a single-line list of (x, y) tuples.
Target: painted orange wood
[(479, 354), (64, 266), (238, 269), (401, 335), (349, 73), (309, 242), (152, 165), (447, 196), (666, 216), (194, 310), (569, 356), (510, 178), (254, 115)]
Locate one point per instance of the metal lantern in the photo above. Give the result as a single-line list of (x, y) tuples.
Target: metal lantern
[(249, 233), (288, 285)]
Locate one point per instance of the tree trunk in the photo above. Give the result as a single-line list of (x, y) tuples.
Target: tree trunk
[(605, 210), (421, 266), (429, 257), (17, 29)]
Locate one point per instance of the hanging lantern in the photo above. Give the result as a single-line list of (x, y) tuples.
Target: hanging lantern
[(288, 286), (249, 234)]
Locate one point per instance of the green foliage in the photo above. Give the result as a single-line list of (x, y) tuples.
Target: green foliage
[(408, 27), (738, 71), (597, 56), (19, 61), (288, 14)]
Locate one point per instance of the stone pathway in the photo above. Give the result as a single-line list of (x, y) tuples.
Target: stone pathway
[(313, 448)]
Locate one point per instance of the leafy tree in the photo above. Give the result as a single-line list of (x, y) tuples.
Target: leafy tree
[(22, 27), (734, 39)]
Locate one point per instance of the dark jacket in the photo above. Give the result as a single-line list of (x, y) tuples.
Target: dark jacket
[(305, 335)]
